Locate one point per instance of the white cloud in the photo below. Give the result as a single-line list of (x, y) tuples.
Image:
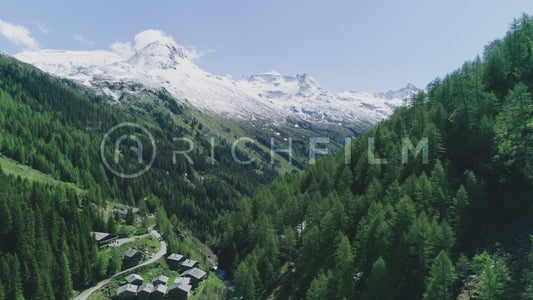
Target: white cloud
[(41, 26), (197, 54), (144, 38), (19, 35), (78, 38), (125, 50)]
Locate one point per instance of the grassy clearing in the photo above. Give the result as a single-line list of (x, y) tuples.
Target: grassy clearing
[(15, 168)]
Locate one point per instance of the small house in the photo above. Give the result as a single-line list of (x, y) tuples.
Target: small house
[(104, 239), (159, 292), (127, 291), (174, 261), (179, 291), (188, 264), (131, 257), (196, 275), (161, 279), (134, 279), (182, 280), (145, 291)]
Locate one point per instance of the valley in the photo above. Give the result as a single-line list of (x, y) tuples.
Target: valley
[(133, 173)]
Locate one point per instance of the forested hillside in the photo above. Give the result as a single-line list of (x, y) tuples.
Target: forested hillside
[(56, 128), (457, 225)]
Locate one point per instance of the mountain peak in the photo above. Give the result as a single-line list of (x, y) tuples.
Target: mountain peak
[(271, 72), (162, 49), (156, 61), (411, 86), (402, 93)]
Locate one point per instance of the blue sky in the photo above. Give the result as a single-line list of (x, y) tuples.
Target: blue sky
[(345, 45)]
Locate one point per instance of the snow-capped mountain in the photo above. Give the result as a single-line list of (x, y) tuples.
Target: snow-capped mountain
[(302, 96), (160, 62)]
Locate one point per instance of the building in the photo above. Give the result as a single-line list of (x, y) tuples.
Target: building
[(159, 292), (134, 279), (131, 257), (182, 280), (131, 253), (196, 275), (179, 291), (161, 279), (145, 291), (123, 213), (188, 264), (174, 261), (127, 291), (104, 238)]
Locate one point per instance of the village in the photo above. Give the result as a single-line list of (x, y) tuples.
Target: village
[(174, 277), (136, 287)]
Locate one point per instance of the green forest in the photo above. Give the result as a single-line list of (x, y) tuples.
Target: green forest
[(56, 128), (455, 227)]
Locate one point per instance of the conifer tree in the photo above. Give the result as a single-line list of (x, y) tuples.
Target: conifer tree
[(319, 288), (244, 282), (377, 287), (344, 268), (441, 279)]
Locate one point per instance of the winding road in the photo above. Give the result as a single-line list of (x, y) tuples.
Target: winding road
[(123, 241), (162, 251)]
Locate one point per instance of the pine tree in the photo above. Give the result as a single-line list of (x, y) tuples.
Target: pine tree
[(514, 131), (5, 221), (493, 276), (460, 203), (115, 262), (17, 280), (345, 180), (129, 196), (288, 244), (344, 268), (111, 226), (64, 288), (244, 282), (319, 288), (463, 266), (377, 287), (373, 236), (130, 218), (441, 279), (404, 216), (307, 259)]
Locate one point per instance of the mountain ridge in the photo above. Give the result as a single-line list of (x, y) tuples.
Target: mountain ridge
[(162, 63)]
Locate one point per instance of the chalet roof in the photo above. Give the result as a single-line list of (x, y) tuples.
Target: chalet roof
[(130, 253), (147, 288), (184, 287), (99, 236), (195, 273), (182, 280), (161, 278), (121, 211), (160, 289), (133, 277), (176, 257), (130, 288), (189, 263)]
